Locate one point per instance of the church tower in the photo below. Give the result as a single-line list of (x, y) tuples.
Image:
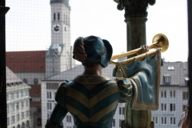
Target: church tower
[(59, 55)]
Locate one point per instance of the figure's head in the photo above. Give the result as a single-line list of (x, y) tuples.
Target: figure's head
[(92, 50)]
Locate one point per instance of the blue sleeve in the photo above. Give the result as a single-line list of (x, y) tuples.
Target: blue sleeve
[(56, 118), (126, 90)]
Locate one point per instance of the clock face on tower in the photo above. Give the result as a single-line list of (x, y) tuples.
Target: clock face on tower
[(56, 28)]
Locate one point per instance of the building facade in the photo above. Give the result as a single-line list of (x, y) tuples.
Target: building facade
[(34, 66), (29, 66), (18, 102), (173, 95)]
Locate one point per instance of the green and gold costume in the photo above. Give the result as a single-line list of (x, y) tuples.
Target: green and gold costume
[(92, 100)]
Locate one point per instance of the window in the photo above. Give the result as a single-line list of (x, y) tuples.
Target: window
[(121, 123), (18, 117), (22, 115), (68, 118), (165, 94), (113, 123), (186, 79), (49, 95), (52, 86), (121, 110), (167, 79), (172, 107), (25, 80), (185, 95), (49, 106), (54, 16), (163, 107), (185, 107), (17, 106), (58, 16), (155, 120), (171, 68), (161, 93), (12, 107), (172, 93), (22, 104), (163, 120), (12, 119), (35, 81), (172, 120)]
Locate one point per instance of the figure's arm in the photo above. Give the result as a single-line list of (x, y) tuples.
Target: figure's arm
[(126, 90), (56, 118), (60, 110)]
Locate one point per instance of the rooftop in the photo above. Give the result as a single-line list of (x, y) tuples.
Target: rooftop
[(178, 71), (26, 61)]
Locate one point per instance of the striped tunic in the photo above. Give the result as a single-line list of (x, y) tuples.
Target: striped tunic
[(92, 100)]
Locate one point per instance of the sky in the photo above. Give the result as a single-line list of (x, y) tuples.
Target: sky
[(28, 24)]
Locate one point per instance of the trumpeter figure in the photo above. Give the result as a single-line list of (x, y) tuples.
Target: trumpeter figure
[(92, 98)]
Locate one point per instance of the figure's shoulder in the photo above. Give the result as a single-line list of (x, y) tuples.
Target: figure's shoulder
[(63, 87)]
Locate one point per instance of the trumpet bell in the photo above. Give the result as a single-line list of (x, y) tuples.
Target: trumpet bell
[(160, 41)]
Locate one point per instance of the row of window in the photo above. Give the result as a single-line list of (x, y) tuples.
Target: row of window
[(16, 118), (69, 120), (20, 105), (164, 120), (172, 94), (164, 107), (17, 94), (51, 95), (35, 81), (167, 79)]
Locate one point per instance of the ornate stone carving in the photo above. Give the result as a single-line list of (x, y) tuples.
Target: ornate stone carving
[(134, 8)]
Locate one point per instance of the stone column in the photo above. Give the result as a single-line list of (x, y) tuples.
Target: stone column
[(135, 18)]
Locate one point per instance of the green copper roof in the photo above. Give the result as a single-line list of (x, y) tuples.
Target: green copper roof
[(66, 2)]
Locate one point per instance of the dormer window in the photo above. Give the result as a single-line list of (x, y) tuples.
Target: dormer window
[(186, 79), (171, 68), (167, 79)]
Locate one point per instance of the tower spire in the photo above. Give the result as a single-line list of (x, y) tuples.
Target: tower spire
[(66, 2), (58, 57)]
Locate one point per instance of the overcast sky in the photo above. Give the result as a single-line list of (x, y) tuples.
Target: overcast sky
[(28, 24)]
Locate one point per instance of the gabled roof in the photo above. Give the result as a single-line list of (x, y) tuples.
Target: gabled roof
[(178, 71), (11, 77), (74, 72), (26, 61), (12, 81)]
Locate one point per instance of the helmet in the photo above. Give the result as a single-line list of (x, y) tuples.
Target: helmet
[(92, 50)]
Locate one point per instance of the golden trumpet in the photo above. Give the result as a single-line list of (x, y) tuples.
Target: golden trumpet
[(159, 42)]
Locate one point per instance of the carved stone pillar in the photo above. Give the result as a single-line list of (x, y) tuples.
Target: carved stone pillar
[(135, 18)]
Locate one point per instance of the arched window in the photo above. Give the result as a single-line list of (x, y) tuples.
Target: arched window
[(54, 16), (58, 16)]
